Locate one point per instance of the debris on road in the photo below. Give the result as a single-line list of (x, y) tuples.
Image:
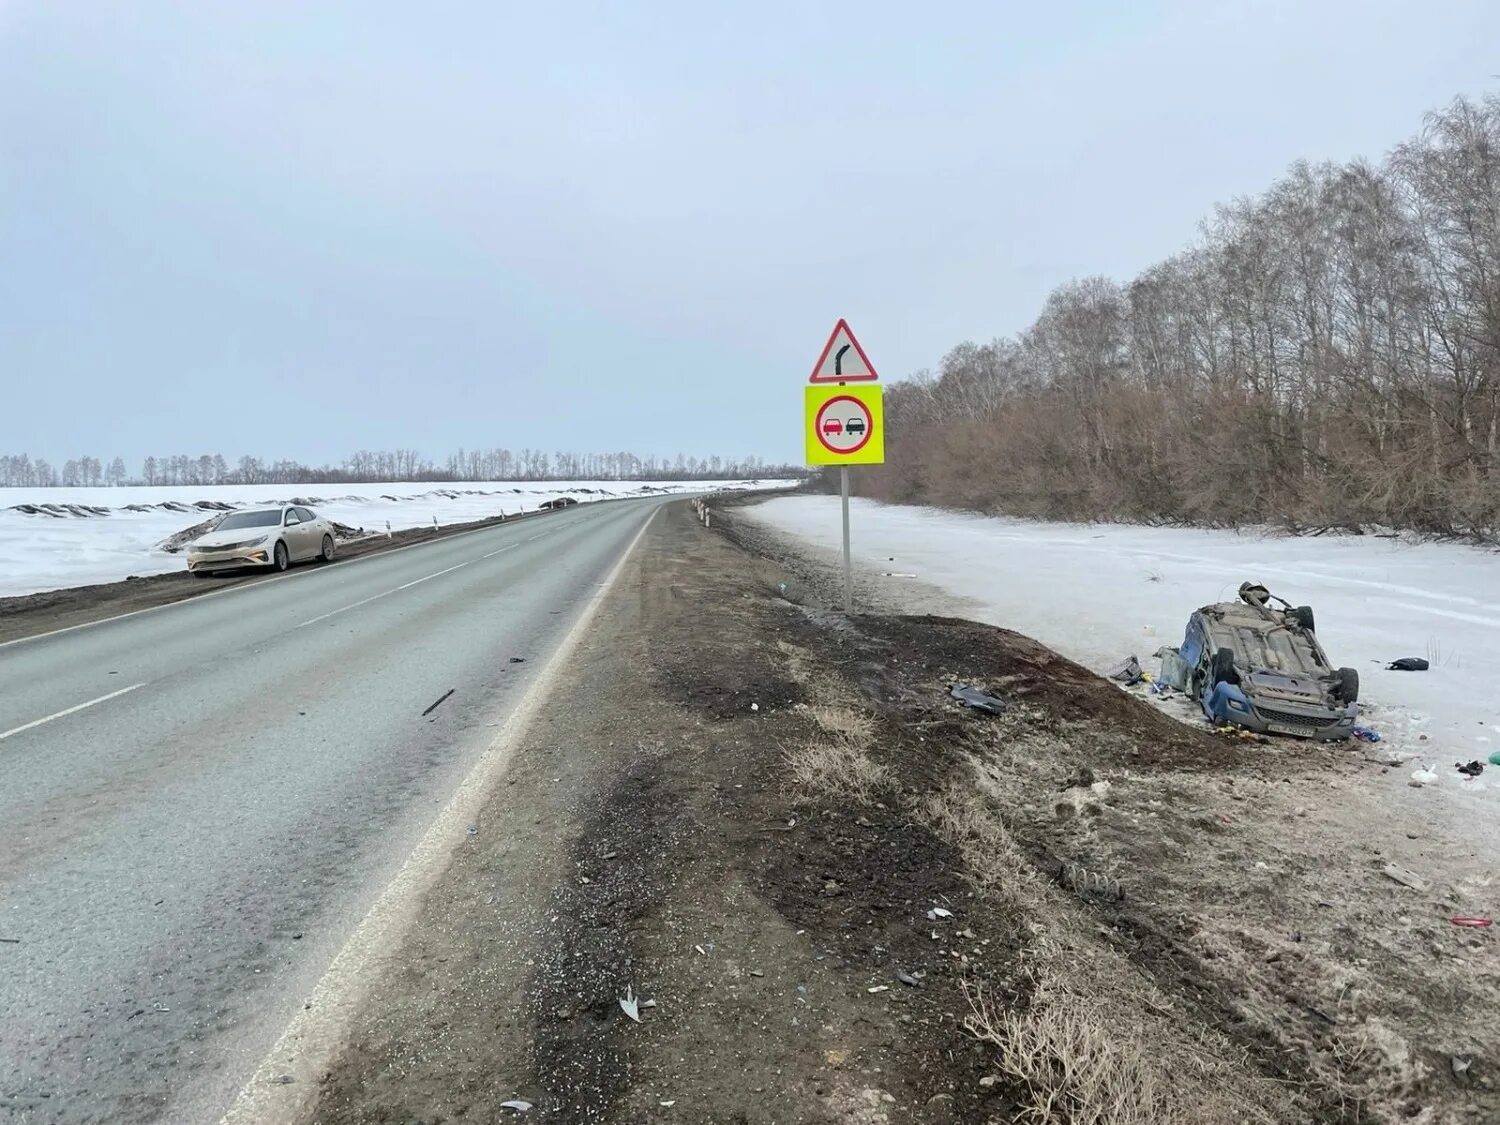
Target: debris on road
[(1472, 923), (1365, 734), (1472, 769), (516, 1104), (629, 1006), (1422, 776), (1128, 672), (1408, 664), (1404, 877), (518, 660), (436, 703), (938, 912), (977, 700)]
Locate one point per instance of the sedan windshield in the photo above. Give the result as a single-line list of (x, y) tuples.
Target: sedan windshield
[(249, 519)]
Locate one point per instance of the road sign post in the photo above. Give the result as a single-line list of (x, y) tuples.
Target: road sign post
[(844, 425)]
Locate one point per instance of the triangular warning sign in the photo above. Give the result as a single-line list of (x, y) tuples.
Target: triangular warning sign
[(843, 360)]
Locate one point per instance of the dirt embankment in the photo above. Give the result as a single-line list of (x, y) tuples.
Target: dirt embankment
[(850, 900)]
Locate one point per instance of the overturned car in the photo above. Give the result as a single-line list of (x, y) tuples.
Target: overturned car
[(1261, 667)]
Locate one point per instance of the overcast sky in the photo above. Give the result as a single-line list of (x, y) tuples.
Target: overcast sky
[(297, 229)]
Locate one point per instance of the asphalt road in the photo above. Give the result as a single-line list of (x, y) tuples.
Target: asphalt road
[(199, 803)]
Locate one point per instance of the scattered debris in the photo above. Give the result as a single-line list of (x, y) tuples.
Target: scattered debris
[(1473, 769), (10, 941), (1082, 881), (1408, 664), (879, 988), (1128, 672), (1472, 923), (667, 1105), (1422, 776), (516, 1104), (472, 830), (1404, 877), (756, 973), (518, 660), (1460, 1066), (907, 978), (1365, 734), (433, 706), (629, 1005), (989, 1080), (977, 700), (938, 912), (1495, 758), (286, 1079)]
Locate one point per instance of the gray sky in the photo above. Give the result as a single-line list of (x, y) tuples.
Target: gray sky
[(296, 229)]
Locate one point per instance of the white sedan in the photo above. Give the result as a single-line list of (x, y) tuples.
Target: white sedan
[(262, 538)]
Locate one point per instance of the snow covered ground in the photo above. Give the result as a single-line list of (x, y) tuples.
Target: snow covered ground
[(1100, 593), (48, 552)]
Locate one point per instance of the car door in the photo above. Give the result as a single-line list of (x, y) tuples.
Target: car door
[(314, 527), (294, 532)]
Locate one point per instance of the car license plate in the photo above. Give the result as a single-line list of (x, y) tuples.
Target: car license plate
[(1285, 728)]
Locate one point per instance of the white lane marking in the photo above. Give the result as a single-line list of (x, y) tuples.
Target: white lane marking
[(342, 609), (306, 1047), (425, 577), (376, 597), (70, 711), (501, 551), (374, 556)]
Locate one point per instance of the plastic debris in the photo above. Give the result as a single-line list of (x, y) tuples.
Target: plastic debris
[(1495, 758), (1472, 923), (629, 1005), (1128, 672), (1423, 776), (977, 700), (1404, 877), (907, 978), (1472, 769), (518, 660), (938, 912), (879, 988), (1365, 734), (667, 1105), (516, 1104), (472, 830), (1408, 664)]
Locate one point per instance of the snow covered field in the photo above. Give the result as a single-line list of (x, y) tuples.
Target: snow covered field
[(48, 552), (1100, 593)]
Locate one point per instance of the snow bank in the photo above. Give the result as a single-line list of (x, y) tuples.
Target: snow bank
[(91, 535), (1098, 593)]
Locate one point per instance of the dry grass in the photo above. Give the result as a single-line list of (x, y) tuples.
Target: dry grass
[(835, 762), (1096, 1044), (1075, 1064)]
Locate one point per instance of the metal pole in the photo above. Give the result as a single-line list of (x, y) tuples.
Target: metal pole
[(848, 566)]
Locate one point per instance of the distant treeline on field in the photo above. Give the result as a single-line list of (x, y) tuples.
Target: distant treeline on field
[(1326, 356), (23, 471)]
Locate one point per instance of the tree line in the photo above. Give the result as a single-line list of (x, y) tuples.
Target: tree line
[(367, 467), (1326, 355)]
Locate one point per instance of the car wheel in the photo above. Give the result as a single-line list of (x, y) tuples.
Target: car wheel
[(200, 574), (326, 555), (1346, 685), (279, 556), (1303, 615), (1223, 667)]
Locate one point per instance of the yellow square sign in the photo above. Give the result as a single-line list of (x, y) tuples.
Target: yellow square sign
[(844, 425)]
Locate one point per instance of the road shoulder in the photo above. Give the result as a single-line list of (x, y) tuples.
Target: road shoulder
[(849, 900)]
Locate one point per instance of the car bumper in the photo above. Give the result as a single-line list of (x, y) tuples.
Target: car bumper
[(233, 560), (1327, 726)]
